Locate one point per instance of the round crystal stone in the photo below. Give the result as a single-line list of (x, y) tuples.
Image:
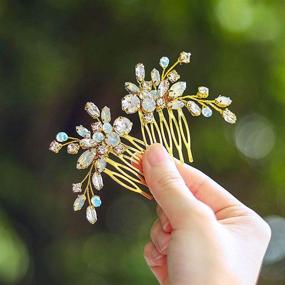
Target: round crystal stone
[(148, 104), (98, 137), (130, 104), (164, 61), (96, 201), (107, 128), (207, 112), (62, 137), (113, 139), (122, 126)]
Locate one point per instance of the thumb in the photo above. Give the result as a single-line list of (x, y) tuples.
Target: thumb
[(167, 185)]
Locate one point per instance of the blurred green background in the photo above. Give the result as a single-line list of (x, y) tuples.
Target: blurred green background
[(58, 54)]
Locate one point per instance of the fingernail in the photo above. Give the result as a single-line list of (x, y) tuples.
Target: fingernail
[(166, 227), (156, 154)]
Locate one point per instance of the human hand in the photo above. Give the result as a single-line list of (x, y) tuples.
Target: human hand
[(203, 235)]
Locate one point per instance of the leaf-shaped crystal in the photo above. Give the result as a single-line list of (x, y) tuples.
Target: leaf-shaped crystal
[(194, 108), (106, 115), (163, 87), (91, 214), (130, 104), (92, 110), (83, 132), (100, 164), (177, 104), (140, 72), (79, 202), (155, 76), (229, 116), (122, 126), (87, 143), (177, 89), (131, 87), (223, 101), (97, 181), (86, 158)]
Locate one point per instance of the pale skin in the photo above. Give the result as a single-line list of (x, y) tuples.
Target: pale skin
[(203, 234)]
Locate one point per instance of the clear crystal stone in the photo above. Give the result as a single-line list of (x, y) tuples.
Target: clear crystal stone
[(79, 202), (194, 108), (119, 149), (223, 101), (113, 139), (92, 110), (73, 148), (86, 158), (98, 137), (148, 105), (83, 132), (130, 104), (173, 76), (177, 104), (122, 126), (160, 102), (55, 146), (96, 127), (207, 112), (76, 187), (184, 57), (91, 215), (96, 201), (155, 77), (177, 89), (102, 149), (106, 115), (154, 94), (62, 137), (131, 87), (164, 61), (145, 94), (147, 85), (97, 180), (107, 128), (229, 116), (203, 92), (163, 87), (140, 72), (148, 118), (87, 143), (100, 164)]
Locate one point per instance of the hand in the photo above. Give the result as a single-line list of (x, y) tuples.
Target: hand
[(203, 235)]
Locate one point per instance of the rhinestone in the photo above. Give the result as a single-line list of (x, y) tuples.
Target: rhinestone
[(55, 146), (148, 118), (155, 77), (102, 149), (154, 94), (62, 137), (76, 187), (194, 109), (130, 104), (145, 94), (229, 116), (184, 57), (73, 148), (106, 115), (113, 139), (97, 181), (86, 158), (160, 102), (107, 128), (92, 110), (119, 149), (177, 104), (98, 137), (96, 127), (83, 132), (203, 92), (163, 62), (223, 101), (177, 89), (148, 105), (91, 215), (207, 112), (173, 76), (140, 72), (79, 202), (96, 201), (163, 87), (131, 87), (87, 143), (100, 164), (122, 126)]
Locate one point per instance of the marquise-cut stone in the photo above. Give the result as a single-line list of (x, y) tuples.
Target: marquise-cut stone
[(203, 92), (73, 148), (79, 202), (164, 61), (177, 89), (207, 112), (97, 181), (91, 214), (122, 126), (155, 76), (86, 158), (184, 57), (131, 87), (173, 76), (177, 104), (148, 105), (229, 116), (223, 101), (83, 132), (163, 87), (96, 127), (92, 110), (113, 139), (140, 72), (62, 137), (76, 187), (106, 115), (194, 108), (87, 143), (100, 164), (130, 104), (96, 201), (98, 137), (55, 146)]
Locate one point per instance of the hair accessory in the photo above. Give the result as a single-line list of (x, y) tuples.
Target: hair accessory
[(106, 149), (163, 97)]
